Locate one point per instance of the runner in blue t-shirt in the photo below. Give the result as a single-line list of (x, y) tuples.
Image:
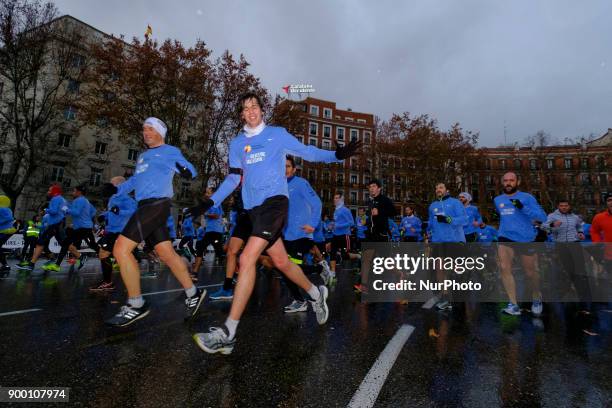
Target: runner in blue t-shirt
[(259, 154)]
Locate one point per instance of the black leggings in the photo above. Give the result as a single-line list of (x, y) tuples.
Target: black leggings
[(29, 243), (3, 239), (187, 241), (75, 239)]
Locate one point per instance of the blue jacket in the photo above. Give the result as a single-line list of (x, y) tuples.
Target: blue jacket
[(171, 226), (328, 228), (362, 225), (262, 159), (116, 222), (201, 231), (57, 210), (82, 213), (442, 232), (187, 227), (6, 218), (155, 169), (487, 234), (214, 225), (395, 231), (473, 215), (317, 235), (515, 224), (409, 222), (304, 209), (343, 221)]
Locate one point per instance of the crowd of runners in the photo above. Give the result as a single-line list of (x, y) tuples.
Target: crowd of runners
[(275, 220)]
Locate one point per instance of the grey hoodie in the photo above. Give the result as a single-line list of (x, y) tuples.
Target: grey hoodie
[(571, 225)]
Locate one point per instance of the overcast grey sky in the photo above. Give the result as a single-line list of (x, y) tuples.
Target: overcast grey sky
[(533, 64)]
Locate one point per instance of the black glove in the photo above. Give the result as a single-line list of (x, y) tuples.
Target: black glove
[(199, 209), (101, 218), (108, 189), (348, 150), (443, 219), (114, 209), (184, 171), (517, 203)]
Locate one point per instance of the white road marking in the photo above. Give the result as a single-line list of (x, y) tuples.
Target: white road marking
[(15, 312), (371, 385)]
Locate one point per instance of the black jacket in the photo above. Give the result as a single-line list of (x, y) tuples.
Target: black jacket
[(379, 224)]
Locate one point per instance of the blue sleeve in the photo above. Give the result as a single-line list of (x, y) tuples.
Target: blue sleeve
[(418, 225), (533, 210), (431, 219), (92, 211), (178, 157), (459, 218), (308, 152), (126, 187), (477, 216), (314, 202), (76, 207), (232, 180), (55, 207), (346, 219)]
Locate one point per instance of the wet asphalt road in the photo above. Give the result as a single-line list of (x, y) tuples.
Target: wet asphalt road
[(470, 357)]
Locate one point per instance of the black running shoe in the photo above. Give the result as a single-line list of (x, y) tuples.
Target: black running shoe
[(193, 303), (128, 315)]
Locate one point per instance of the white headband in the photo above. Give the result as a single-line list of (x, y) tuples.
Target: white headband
[(158, 125)]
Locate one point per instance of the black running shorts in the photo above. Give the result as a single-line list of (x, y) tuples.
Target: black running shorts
[(243, 227), (298, 249), (149, 222), (107, 242), (269, 218)]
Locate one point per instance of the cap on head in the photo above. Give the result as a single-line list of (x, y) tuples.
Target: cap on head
[(467, 196), (159, 126), (55, 190), (5, 202)]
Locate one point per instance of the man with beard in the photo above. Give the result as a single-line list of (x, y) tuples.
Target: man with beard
[(518, 212)]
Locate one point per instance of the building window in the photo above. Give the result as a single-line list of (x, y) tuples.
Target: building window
[(326, 131), (354, 179), (312, 175), (502, 164), (298, 161), (567, 163), (488, 164), (366, 137), (584, 163), (366, 180), (95, 177), (349, 119), (340, 133), (586, 180), (300, 138), (314, 110), (100, 148), (354, 134), (298, 172), (327, 113), (326, 145), (550, 164), (353, 197), (533, 164), (63, 140), (489, 180), (603, 179), (517, 164), (361, 121), (340, 178), (77, 61), (74, 86), (326, 176), (312, 141), (57, 174), (132, 154), (313, 129), (70, 113)]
